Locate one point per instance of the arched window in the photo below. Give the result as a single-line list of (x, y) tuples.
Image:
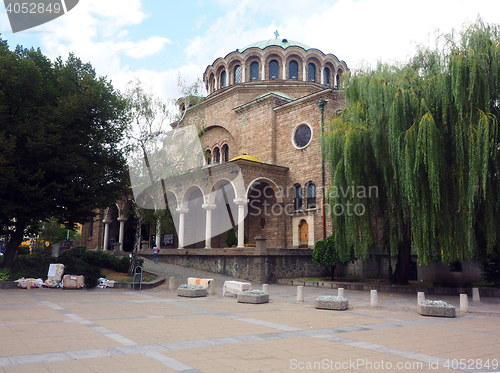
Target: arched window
[(326, 76), (297, 201), (311, 72), (311, 196), (208, 154), (223, 79), (225, 152), (237, 74), (254, 70), (216, 155), (274, 69), (293, 70)]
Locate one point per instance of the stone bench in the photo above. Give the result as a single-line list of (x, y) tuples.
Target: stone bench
[(233, 288), (205, 282)]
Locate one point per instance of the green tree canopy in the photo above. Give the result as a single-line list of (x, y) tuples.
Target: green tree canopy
[(60, 134), (426, 135)]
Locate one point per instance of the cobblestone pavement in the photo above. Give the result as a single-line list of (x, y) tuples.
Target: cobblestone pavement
[(113, 330)]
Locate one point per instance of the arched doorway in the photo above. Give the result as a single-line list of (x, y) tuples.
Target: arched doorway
[(303, 233)]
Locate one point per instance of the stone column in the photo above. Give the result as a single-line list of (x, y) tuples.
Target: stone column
[(243, 76), (304, 76), (158, 235), (263, 72), (106, 222), (208, 226), (284, 70), (241, 202), (215, 83), (180, 234), (322, 73), (122, 220)]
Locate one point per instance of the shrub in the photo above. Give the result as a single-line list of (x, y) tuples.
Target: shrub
[(4, 274), (231, 238), (327, 253), (490, 269)]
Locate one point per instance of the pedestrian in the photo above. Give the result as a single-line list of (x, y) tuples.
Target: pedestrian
[(155, 253)]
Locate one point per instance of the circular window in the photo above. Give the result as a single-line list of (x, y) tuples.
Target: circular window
[(302, 136)]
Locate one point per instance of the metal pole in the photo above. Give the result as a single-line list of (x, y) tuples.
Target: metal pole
[(321, 105)]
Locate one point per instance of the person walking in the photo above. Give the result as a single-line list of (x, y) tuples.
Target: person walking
[(155, 253)]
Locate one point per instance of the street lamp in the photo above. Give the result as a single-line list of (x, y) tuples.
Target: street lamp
[(321, 105)]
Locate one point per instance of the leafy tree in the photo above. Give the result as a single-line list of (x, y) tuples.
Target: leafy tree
[(53, 231), (426, 135), (60, 140), (151, 160), (327, 253)]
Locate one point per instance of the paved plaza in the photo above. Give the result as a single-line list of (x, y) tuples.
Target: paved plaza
[(113, 330)]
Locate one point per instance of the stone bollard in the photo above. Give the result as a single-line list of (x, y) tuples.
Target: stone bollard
[(464, 303), (212, 291), (373, 298), (420, 297), (171, 284), (300, 293), (340, 292), (475, 295), (265, 288)]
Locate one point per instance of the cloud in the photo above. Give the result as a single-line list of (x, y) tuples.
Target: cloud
[(357, 31), (143, 48)]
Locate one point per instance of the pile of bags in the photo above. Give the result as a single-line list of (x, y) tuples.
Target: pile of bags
[(55, 279)]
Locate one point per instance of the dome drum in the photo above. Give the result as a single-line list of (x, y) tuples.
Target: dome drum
[(274, 60)]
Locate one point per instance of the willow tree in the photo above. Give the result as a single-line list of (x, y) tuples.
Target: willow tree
[(425, 135)]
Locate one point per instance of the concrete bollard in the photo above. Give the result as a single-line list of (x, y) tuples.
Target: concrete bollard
[(340, 292), (213, 287), (475, 295), (420, 297), (265, 288), (373, 298), (464, 303), (171, 284), (300, 293)]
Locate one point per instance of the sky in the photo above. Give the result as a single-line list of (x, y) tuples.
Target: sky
[(157, 41)]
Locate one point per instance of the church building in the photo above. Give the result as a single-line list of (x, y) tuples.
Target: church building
[(263, 113)]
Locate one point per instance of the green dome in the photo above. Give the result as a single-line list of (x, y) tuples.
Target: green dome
[(283, 43)]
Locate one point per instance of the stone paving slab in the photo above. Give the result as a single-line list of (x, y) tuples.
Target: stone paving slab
[(113, 330)]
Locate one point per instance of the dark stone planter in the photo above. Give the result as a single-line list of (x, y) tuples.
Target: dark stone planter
[(253, 298), (331, 303), (436, 311)]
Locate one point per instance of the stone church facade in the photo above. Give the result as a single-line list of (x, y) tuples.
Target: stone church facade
[(261, 113)]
